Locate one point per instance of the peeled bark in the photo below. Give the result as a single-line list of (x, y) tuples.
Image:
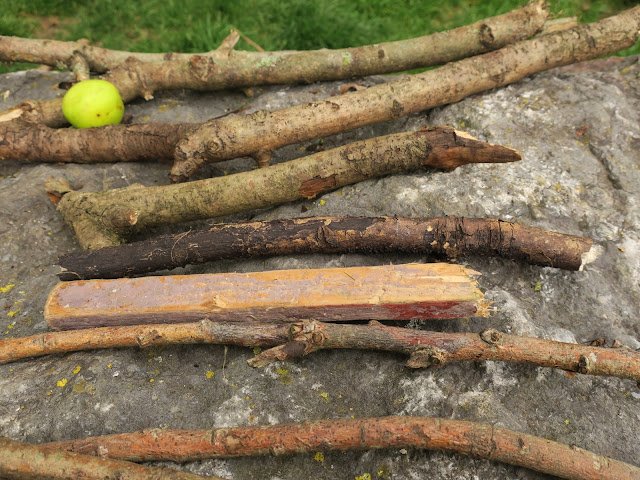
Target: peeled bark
[(140, 74), (386, 292), (107, 218), (467, 438), (447, 236), (22, 461), (262, 132)]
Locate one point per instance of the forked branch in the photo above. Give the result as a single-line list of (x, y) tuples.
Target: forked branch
[(467, 438), (424, 348)]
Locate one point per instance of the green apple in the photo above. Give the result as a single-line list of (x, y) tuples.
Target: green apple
[(92, 103)]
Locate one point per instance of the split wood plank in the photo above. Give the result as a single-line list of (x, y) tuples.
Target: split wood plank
[(388, 292)]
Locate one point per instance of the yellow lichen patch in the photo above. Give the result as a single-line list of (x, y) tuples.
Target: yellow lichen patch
[(62, 383), (209, 374), (12, 313), (325, 395), (322, 202), (6, 288), (364, 476), (77, 370), (82, 387), (319, 457)]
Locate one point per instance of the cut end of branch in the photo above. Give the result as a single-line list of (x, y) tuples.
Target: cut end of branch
[(590, 256)]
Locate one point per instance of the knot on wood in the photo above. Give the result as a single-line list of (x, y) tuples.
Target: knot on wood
[(424, 357), (492, 336), (147, 339), (586, 364), (308, 333), (202, 67)]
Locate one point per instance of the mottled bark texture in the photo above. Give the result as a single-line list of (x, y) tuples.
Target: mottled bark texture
[(140, 74), (35, 142), (22, 461), (107, 218), (467, 438), (385, 292), (260, 133), (445, 236), (424, 348)]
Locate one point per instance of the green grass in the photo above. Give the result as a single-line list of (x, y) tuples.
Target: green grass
[(200, 25)]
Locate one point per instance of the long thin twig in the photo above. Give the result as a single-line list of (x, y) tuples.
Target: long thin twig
[(107, 218), (424, 348), (23, 461), (449, 236), (467, 438)]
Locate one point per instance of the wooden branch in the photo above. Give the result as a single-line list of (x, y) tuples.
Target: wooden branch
[(425, 349), (231, 68), (251, 135), (467, 438), (106, 218), (387, 292), (435, 348), (23, 461), (446, 236), (29, 141)]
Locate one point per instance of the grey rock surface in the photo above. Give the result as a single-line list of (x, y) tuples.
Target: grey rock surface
[(578, 131)]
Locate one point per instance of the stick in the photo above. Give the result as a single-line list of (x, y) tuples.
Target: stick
[(387, 292), (425, 349), (259, 134), (107, 218), (139, 74), (447, 236), (23, 461), (30, 141), (467, 438)]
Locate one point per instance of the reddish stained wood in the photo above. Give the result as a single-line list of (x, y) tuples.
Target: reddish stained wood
[(389, 292)]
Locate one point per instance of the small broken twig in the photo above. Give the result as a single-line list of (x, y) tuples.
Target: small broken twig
[(386, 292), (23, 461), (425, 348), (449, 236), (464, 437), (107, 218)]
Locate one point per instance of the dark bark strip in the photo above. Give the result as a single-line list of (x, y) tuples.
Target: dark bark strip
[(446, 236)]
